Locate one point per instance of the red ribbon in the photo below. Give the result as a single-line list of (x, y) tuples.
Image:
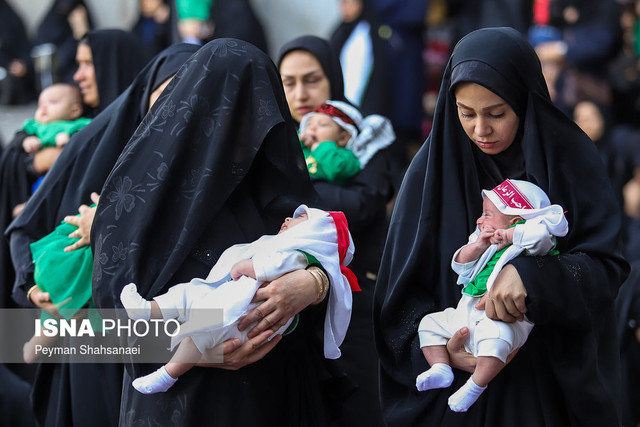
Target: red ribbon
[(343, 244)]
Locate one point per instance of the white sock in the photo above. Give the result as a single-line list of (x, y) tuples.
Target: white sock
[(155, 382), (136, 306), (466, 396), (439, 376)]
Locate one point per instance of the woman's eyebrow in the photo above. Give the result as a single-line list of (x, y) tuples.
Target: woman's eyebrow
[(500, 104)]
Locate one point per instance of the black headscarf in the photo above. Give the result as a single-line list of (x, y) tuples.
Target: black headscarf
[(237, 19), (328, 58), (117, 58), (86, 161), (567, 372), (220, 124)]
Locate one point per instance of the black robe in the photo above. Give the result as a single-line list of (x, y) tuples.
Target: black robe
[(14, 44), (375, 99), (628, 310), (236, 19), (54, 28), (568, 371), (67, 393), (215, 162)]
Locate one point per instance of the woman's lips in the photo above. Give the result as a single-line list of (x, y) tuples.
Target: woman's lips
[(485, 144), (304, 110)]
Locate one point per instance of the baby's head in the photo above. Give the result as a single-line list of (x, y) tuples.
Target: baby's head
[(290, 222), (515, 200), (57, 102), (332, 121)]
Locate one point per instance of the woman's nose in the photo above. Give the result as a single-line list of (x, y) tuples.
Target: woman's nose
[(483, 128), (300, 91)]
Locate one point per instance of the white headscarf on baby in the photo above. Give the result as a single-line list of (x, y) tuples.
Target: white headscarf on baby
[(369, 134), (338, 312)]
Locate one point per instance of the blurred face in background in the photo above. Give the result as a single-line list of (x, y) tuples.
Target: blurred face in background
[(350, 9), (306, 86), (587, 115)]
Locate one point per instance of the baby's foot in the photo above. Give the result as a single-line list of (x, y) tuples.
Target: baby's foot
[(439, 376), (136, 306), (156, 382), (466, 396)]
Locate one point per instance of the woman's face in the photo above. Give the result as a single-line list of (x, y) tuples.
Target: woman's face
[(488, 120), (305, 83), (85, 76)]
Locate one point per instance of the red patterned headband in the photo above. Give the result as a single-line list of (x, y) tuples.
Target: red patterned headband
[(511, 196), (335, 112)]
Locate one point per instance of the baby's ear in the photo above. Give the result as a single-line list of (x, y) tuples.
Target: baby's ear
[(76, 111), (516, 219), (343, 138)]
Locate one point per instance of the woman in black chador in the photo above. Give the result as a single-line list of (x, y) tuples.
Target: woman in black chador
[(81, 393), (115, 56), (215, 162), (494, 120)]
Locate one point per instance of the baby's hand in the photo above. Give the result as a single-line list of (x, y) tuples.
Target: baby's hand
[(31, 144), (502, 237), (61, 139), (243, 268), (484, 239), (306, 139)]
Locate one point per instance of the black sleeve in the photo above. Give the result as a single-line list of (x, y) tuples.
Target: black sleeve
[(23, 264)]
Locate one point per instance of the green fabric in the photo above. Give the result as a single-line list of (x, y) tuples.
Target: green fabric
[(330, 162), (194, 9), (292, 326), (47, 132), (65, 275), (311, 260), (478, 286)]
